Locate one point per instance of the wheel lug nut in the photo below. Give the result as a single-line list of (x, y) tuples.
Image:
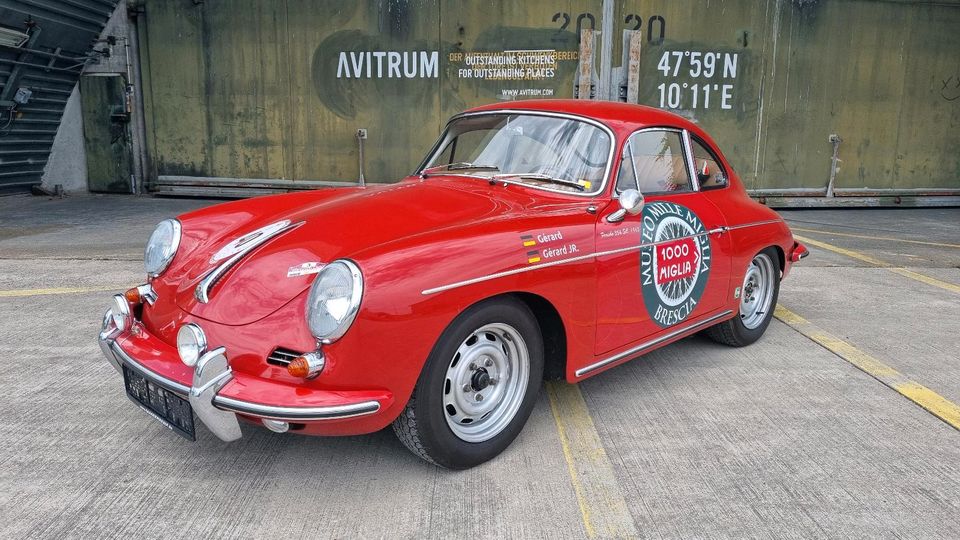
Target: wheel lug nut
[(488, 363), (466, 388), (473, 367), (493, 382), (479, 397)]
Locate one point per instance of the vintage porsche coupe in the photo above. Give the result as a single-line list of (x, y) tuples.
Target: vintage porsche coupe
[(539, 239)]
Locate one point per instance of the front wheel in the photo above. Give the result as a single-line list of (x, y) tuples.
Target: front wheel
[(477, 388), (758, 298)]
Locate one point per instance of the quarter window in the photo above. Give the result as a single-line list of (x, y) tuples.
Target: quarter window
[(709, 173), (654, 162)]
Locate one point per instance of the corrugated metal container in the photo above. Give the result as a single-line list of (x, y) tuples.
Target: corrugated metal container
[(277, 90), (60, 36)]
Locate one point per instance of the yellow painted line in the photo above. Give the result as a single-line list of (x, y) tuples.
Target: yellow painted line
[(848, 252), (60, 290), (881, 264), (602, 506), (926, 398), (926, 279), (869, 237)]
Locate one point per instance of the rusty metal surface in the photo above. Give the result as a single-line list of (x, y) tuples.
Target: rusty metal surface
[(278, 89)]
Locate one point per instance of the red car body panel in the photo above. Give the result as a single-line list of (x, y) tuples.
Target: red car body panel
[(417, 242)]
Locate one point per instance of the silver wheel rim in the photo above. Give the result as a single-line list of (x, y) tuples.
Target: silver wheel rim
[(756, 296), (486, 382)]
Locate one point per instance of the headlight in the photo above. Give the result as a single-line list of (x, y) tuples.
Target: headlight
[(122, 318), (334, 300), (161, 247), (191, 344)]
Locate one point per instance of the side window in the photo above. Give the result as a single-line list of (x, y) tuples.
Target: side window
[(709, 173), (654, 162)]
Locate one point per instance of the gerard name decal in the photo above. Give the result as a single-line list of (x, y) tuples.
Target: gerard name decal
[(674, 272), (551, 248)]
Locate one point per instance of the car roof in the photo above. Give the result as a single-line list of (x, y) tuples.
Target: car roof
[(605, 111)]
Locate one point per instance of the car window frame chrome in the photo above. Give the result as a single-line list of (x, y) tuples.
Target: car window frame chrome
[(607, 173), (686, 157), (691, 163)]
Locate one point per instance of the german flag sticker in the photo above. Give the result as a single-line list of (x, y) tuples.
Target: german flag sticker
[(533, 256), (528, 240)]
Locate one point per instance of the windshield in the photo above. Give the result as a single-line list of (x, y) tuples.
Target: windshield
[(557, 154)]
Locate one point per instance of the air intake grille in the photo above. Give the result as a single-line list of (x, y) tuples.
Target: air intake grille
[(282, 357)]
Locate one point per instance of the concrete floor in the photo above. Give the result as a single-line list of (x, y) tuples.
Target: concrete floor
[(780, 439)]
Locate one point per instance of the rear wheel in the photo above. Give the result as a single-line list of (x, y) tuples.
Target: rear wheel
[(477, 387), (758, 298)]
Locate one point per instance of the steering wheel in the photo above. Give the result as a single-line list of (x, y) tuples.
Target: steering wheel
[(583, 158)]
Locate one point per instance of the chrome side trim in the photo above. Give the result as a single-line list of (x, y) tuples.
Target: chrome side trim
[(718, 230), (181, 390), (505, 273), (753, 224), (533, 112), (652, 343), (202, 292), (295, 414)]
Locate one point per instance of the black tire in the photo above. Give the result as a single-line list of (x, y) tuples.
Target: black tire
[(423, 427), (734, 332)]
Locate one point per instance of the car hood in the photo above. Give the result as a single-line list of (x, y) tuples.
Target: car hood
[(323, 226)]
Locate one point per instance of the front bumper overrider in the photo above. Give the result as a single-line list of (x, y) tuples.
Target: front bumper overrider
[(219, 413)]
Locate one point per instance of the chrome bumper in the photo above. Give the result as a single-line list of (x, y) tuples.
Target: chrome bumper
[(212, 373)]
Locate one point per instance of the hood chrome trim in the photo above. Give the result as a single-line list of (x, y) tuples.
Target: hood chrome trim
[(202, 291)]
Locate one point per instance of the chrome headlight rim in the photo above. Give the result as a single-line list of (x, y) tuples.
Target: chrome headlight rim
[(170, 250), (356, 295), (121, 314), (191, 344)]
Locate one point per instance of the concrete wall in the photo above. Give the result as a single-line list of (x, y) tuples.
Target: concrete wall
[(278, 89), (67, 164)]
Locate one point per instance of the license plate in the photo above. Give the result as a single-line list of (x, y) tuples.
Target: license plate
[(170, 409)]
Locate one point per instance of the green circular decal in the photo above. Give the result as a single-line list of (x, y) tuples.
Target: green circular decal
[(674, 267)]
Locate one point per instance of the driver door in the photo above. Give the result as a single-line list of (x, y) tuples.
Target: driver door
[(660, 270)]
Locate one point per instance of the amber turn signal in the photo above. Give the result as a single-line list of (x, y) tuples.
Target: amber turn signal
[(133, 295), (307, 366), (299, 367)]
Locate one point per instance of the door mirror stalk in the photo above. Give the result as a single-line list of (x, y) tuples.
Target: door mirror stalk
[(631, 203)]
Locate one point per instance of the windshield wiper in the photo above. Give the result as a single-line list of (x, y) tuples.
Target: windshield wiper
[(544, 177), (459, 166)]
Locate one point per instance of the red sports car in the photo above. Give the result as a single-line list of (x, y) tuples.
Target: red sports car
[(538, 239)]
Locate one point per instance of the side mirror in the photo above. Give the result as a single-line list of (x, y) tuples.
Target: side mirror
[(631, 202)]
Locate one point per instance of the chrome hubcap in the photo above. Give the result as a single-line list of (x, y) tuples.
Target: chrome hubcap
[(756, 295), (486, 382)]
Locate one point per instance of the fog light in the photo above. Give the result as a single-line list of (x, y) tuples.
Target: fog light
[(122, 318), (307, 366), (191, 344), (276, 426)]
